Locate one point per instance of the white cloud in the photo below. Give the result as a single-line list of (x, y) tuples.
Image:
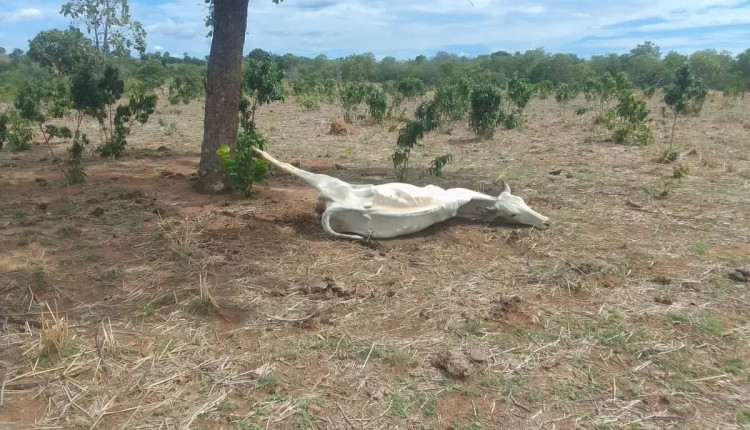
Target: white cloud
[(19, 15), (405, 29)]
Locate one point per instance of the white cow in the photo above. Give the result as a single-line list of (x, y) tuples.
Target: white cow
[(353, 211)]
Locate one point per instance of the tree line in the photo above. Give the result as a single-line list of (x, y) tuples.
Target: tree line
[(95, 75)]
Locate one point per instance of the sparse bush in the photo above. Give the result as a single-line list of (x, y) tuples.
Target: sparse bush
[(377, 103), (601, 91), (139, 108), (410, 88), (350, 96), (627, 121), (486, 110), (19, 134), (310, 91), (151, 74), (4, 120), (520, 92), (37, 101), (679, 172), (453, 101), (544, 89), (262, 83), (436, 168), (187, 84), (408, 137), (669, 155), (427, 119), (75, 172), (309, 101), (564, 94), (87, 100), (685, 96), (242, 166)]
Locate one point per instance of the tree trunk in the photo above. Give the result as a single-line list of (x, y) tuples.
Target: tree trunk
[(221, 119), (105, 38)]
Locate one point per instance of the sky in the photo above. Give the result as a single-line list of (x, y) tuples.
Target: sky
[(407, 28)]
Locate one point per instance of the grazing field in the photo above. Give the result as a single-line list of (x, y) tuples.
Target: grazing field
[(179, 310)]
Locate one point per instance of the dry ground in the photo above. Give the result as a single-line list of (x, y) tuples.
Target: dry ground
[(620, 316)]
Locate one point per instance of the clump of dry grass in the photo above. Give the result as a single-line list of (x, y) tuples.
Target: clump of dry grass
[(182, 235), (55, 337), (206, 303), (106, 342)]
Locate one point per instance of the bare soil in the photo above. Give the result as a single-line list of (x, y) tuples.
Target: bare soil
[(221, 312)]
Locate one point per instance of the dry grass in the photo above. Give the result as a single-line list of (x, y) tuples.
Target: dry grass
[(206, 304), (182, 236), (54, 339), (620, 316)]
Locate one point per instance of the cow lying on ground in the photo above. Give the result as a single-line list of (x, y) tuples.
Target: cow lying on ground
[(364, 211)]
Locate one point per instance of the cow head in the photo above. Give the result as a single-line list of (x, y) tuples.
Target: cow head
[(513, 209)]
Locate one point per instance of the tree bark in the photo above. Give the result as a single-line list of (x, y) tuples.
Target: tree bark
[(223, 79)]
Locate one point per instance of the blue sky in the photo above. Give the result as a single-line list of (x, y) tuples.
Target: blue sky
[(407, 28)]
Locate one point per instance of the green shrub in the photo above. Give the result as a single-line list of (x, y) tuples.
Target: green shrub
[(486, 110), (187, 84), (410, 88), (242, 166), (685, 96), (139, 108), (4, 120), (627, 121), (436, 168), (20, 132), (377, 103), (350, 96)]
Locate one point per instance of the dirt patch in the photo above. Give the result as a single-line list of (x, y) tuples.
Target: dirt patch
[(21, 411)]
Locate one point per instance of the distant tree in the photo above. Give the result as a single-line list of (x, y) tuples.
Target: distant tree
[(187, 84), (63, 52), (673, 61), (260, 55), (647, 49), (16, 53), (685, 97), (2, 50), (388, 69), (110, 23), (410, 88), (358, 68), (713, 67), (564, 94), (561, 68), (151, 73), (644, 66), (742, 68), (601, 64), (261, 81)]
